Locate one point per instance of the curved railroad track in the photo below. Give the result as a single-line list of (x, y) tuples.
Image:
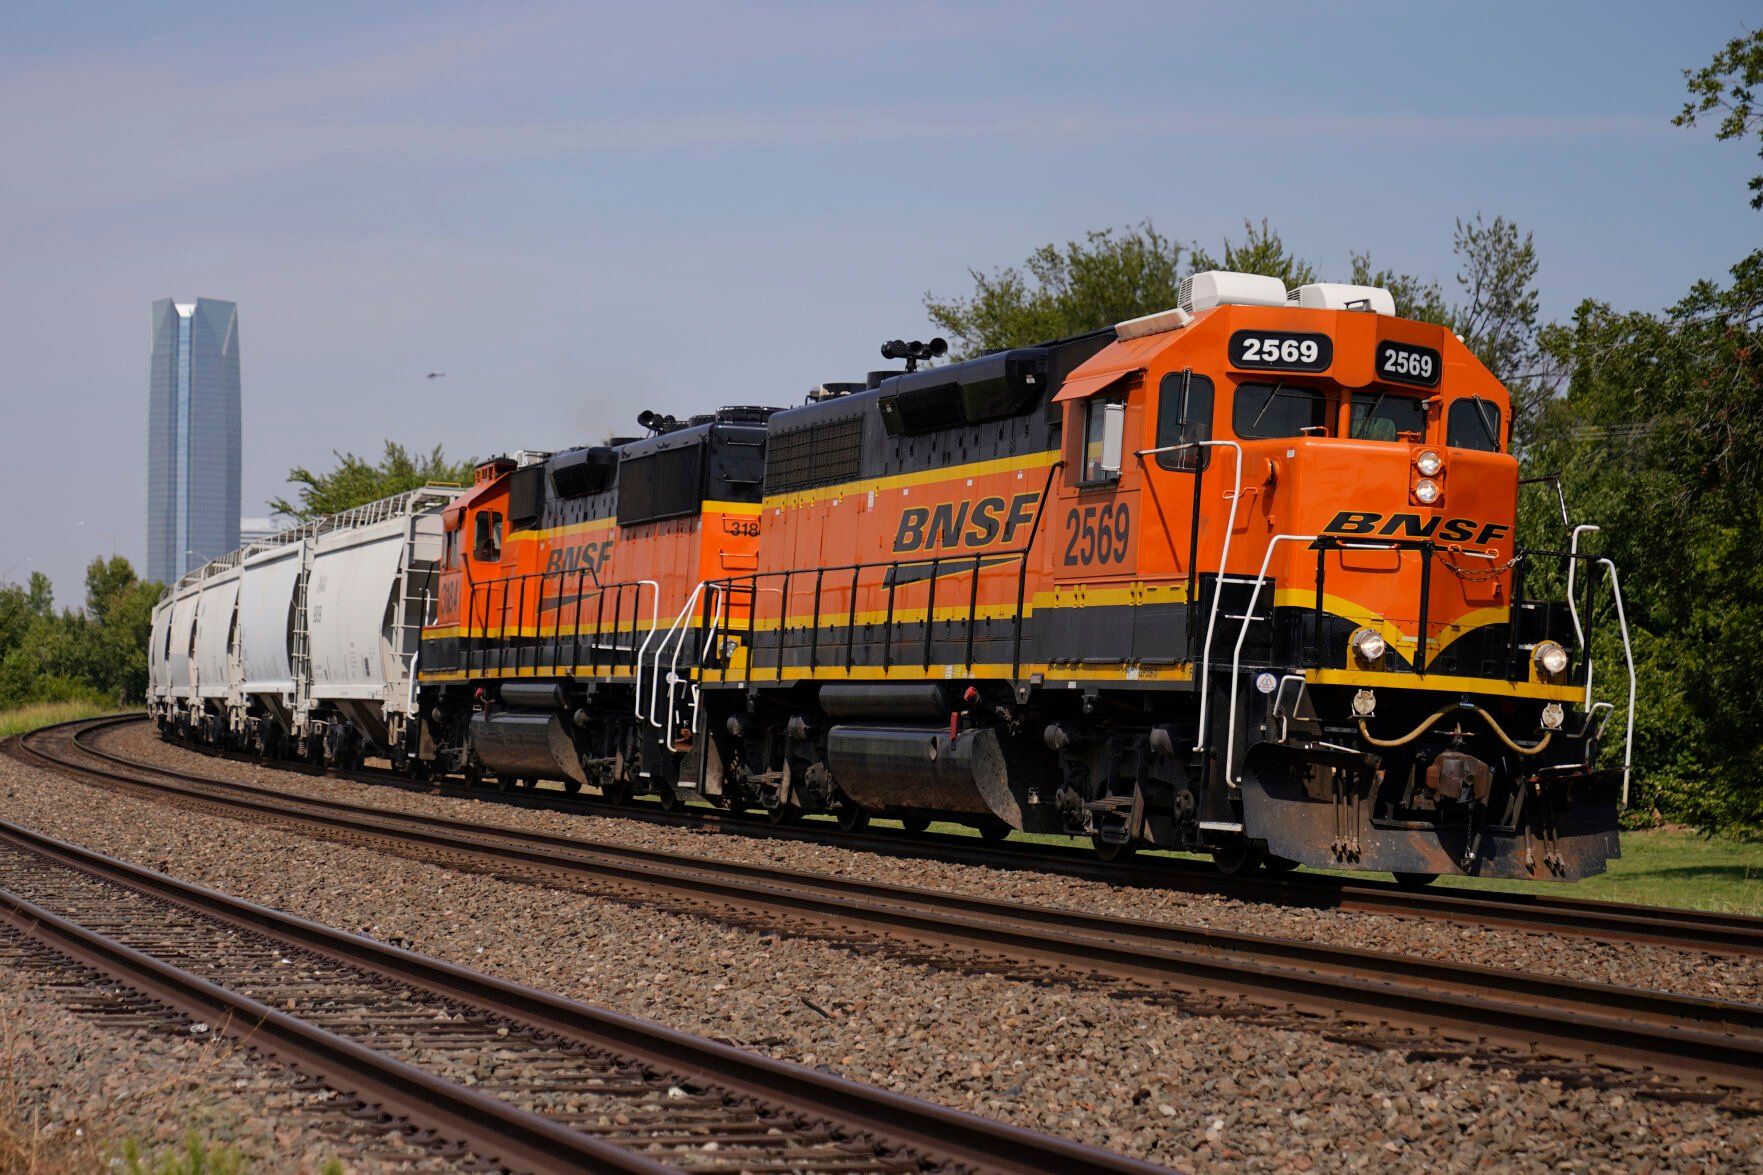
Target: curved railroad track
[(1575, 1031), (479, 1065), (1700, 930)]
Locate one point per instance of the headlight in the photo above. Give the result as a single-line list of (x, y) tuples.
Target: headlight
[(1426, 490), (1429, 463), (1368, 645), (1551, 658)]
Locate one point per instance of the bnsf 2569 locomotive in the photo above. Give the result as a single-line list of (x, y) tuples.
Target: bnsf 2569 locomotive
[(1238, 577)]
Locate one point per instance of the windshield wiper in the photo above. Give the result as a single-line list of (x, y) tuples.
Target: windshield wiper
[(1265, 407), (1483, 414)]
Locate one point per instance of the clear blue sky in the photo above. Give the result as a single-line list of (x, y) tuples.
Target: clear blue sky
[(577, 212)]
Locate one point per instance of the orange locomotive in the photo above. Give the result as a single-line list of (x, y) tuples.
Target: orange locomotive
[(567, 596), (1238, 577)]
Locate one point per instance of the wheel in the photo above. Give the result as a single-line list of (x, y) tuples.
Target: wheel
[(915, 824), (615, 792), (852, 818), (572, 786), (781, 814), (1113, 851), (994, 832), (1237, 859), (1275, 864), (1415, 880), (670, 801)]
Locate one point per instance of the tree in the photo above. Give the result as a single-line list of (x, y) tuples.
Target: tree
[(1067, 290), (356, 481), (1660, 439), (1261, 252), (1728, 83)]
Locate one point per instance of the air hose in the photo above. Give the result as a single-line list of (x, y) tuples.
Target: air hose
[(1519, 748)]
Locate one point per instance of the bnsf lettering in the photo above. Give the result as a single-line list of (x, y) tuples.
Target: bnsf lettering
[(1413, 526), (964, 524), (592, 556)]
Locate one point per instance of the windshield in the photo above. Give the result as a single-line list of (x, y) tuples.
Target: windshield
[(1385, 416), (1278, 410)]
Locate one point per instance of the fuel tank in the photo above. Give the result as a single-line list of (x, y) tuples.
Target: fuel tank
[(526, 743), (922, 769)]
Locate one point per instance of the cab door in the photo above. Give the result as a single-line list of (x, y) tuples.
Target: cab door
[(1095, 532)]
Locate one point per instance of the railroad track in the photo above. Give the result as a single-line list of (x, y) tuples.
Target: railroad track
[(485, 1067), (1699, 930), (1576, 1031)]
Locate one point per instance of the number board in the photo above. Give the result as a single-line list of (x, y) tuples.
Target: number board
[(1282, 350), (1405, 363)]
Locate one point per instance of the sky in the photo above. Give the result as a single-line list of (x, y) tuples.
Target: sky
[(579, 211)]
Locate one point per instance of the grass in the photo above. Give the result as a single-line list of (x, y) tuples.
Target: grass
[(37, 715), (1658, 867), (1664, 867)]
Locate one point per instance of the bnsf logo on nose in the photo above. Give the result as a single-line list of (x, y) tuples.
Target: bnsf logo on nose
[(964, 524), (1413, 526)]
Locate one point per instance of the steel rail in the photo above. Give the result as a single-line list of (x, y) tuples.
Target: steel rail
[(489, 1126), (1562, 1018), (1617, 922)]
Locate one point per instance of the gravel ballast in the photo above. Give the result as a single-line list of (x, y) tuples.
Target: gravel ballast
[(1630, 965), (87, 1072), (1196, 1092)]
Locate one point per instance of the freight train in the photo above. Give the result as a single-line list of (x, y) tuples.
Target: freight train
[(1240, 577)]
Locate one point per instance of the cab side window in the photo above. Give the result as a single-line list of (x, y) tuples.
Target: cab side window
[(1104, 435), (487, 544), (1473, 424), (1184, 415)]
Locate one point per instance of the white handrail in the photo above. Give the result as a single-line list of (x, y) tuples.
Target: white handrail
[(654, 623), (673, 666), (1230, 526), (1236, 660), (654, 682), (1628, 655), (1573, 606)]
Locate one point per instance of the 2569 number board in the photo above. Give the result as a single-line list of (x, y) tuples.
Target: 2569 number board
[(1406, 363), (1281, 350)]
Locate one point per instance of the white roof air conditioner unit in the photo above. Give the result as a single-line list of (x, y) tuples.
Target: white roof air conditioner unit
[(1342, 296), (1217, 287)]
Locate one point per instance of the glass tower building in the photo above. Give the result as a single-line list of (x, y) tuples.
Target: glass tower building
[(192, 435)]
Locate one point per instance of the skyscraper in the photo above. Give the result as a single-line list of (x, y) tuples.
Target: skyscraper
[(192, 435)]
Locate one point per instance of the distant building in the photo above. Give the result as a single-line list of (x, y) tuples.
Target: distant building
[(192, 435), (253, 530)]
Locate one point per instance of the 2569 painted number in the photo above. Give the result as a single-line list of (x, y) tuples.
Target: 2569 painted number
[(1282, 349), (1404, 363), (1099, 534)]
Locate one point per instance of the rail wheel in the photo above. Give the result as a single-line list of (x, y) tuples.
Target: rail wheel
[(994, 831), (572, 786), (1237, 859), (1415, 880), (852, 818), (1112, 851), (1275, 864), (783, 813), (915, 824), (670, 801)]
